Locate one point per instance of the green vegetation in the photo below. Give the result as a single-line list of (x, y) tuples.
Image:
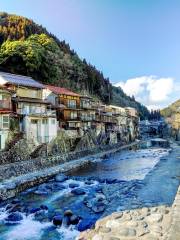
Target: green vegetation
[(170, 110), (29, 49)]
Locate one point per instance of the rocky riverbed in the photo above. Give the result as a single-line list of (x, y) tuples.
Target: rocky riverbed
[(64, 206)]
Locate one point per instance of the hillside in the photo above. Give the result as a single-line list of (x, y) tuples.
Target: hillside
[(29, 49), (171, 109)]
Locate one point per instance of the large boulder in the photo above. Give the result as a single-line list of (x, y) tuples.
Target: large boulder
[(78, 191), (74, 219), (35, 210), (73, 185), (57, 220), (96, 203), (68, 213), (14, 217)]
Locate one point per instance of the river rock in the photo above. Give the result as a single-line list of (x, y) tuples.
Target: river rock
[(98, 207), (104, 229), (85, 224), (73, 185), (78, 191), (57, 220), (58, 186), (130, 232), (61, 178), (34, 210), (89, 182), (15, 201), (44, 207), (74, 220), (110, 181), (68, 212), (41, 216), (14, 217), (155, 217), (16, 208)]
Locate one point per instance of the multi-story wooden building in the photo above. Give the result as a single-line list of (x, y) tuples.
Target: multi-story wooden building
[(36, 118), (68, 107), (87, 113)]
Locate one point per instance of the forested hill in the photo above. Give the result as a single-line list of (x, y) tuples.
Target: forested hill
[(171, 109), (29, 49)]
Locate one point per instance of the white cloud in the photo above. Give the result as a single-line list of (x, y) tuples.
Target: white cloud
[(153, 91), (159, 89), (132, 86)]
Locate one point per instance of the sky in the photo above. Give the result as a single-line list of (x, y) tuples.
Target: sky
[(135, 43)]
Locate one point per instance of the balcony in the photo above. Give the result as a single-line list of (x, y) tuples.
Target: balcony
[(41, 112), (88, 118), (5, 104)]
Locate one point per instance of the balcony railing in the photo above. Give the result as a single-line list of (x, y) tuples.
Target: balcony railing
[(87, 118), (5, 104)]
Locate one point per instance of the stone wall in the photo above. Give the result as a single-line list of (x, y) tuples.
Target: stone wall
[(16, 177), (20, 151), (30, 165)]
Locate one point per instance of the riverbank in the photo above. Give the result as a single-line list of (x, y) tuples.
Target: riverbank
[(11, 186), (161, 222), (124, 181)]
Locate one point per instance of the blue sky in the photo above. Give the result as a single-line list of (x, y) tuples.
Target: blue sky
[(136, 43)]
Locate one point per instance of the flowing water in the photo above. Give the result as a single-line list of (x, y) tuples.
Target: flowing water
[(130, 179)]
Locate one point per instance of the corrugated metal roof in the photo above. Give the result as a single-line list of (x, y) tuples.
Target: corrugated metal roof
[(59, 90), (20, 80)]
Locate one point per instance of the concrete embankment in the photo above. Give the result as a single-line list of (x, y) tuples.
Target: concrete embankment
[(19, 176), (155, 223)]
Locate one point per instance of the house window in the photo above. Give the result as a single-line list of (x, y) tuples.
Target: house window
[(44, 121), (34, 121), (73, 115), (5, 120), (71, 103), (72, 125)]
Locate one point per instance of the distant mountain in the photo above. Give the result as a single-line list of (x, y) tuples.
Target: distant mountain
[(171, 109), (29, 49)]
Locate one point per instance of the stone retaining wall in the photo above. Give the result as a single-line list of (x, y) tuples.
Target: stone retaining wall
[(19, 176), (23, 167)]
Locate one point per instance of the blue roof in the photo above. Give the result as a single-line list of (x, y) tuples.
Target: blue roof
[(20, 80)]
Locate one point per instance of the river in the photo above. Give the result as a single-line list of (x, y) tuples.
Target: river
[(125, 180)]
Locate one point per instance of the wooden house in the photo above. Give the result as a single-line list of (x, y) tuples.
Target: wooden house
[(87, 113), (68, 107), (36, 118)]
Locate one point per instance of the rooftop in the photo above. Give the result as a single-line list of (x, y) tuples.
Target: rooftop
[(60, 90), (19, 80)]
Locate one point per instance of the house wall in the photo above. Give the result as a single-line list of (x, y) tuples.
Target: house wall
[(49, 96), (41, 129), (29, 92), (31, 108), (64, 99), (69, 114)]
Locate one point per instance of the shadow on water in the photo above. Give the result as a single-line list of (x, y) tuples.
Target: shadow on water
[(126, 180)]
